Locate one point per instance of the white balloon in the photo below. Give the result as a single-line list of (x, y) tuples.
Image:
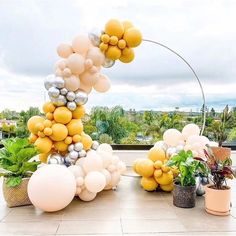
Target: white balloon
[(95, 181), (161, 144), (80, 161), (115, 178), (106, 158), (92, 163), (79, 181), (107, 175), (190, 129), (78, 190), (171, 137), (76, 170), (104, 147), (87, 196), (111, 168)]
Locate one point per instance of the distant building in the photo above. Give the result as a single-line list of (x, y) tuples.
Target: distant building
[(8, 122)]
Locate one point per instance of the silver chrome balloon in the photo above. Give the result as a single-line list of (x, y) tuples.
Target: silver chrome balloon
[(53, 92), (94, 36), (78, 147), (70, 96), (179, 148), (82, 153), (48, 82), (74, 155), (81, 98), (71, 147), (63, 91), (108, 63), (60, 101), (56, 159), (170, 151), (71, 106), (59, 82), (95, 145)]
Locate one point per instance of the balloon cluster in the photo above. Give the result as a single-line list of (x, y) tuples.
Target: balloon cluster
[(118, 40), (189, 139), (154, 171), (100, 170)]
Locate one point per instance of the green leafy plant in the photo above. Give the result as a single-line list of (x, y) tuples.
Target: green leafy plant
[(188, 168), (15, 161)]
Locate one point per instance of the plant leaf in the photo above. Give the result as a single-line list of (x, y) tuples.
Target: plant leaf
[(13, 181)]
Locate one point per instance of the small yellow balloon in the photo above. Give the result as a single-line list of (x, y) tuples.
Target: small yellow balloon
[(156, 154), (165, 168), (158, 173), (105, 38), (47, 123), (49, 116), (113, 40), (60, 146), (76, 138), (145, 168), (103, 46), (168, 187), (87, 142), (75, 127), (43, 157), (68, 140), (79, 112), (149, 184), (48, 107), (121, 44), (39, 126), (165, 178), (41, 134), (114, 28), (62, 115), (47, 131), (127, 24), (32, 138), (158, 164), (113, 53), (128, 57), (133, 37), (33, 122), (59, 132), (43, 145)]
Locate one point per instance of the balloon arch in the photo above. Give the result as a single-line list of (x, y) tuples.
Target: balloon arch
[(59, 136)]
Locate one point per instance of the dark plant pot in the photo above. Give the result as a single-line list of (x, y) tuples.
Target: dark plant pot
[(184, 196)]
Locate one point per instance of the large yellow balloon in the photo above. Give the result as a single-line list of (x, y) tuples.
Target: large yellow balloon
[(149, 184), (79, 112), (145, 168), (60, 146), (113, 53), (43, 145), (59, 132), (114, 28), (62, 115), (168, 187), (127, 24), (86, 141), (156, 154), (75, 127), (127, 57), (133, 37), (165, 178), (48, 107), (33, 122)]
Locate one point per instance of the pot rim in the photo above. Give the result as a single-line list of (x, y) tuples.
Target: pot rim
[(179, 185), (213, 189), (226, 148), (25, 178)]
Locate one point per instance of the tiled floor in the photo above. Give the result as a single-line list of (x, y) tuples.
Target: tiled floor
[(127, 211)]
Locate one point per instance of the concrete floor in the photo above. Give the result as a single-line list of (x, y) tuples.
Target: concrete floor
[(127, 211)]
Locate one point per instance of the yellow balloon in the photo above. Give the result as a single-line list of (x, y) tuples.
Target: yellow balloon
[(145, 168), (165, 168), (59, 132), (41, 134), (40, 126), (60, 146), (105, 38), (165, 178), (75, 126), (113, 53), (87, 142), (43, 157), (167, 188), (158, 164), (128, 57), (48, 107), (43, 145), (79, 112), (156, 154), (133, 37), (149, 184), (62, 115), (113, 40), (33, 122), (47, 123), (76, 138), (49, 116), (158, 173), (47, 131), (68, 140), (121, 44), (114, 28), (32, 138), (135, 164), (127, 24), (103, 46)]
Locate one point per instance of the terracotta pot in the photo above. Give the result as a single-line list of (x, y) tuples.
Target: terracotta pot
[(184, 196), (217, 201), (16, 196), (221, 153)]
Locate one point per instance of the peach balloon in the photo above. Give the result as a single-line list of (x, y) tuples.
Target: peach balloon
[(92, 163), (87, 196), (95, 181), (51, 188), (103, 84), (81, 44), (64, 50), (66, 72), (171, 137), (61, 64), (75, 63), (88, 63), (89, 79), (190, 129), (72, 83), (96, 56), (85, 88)]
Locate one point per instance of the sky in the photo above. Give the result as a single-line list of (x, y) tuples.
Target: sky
[(202, 31)]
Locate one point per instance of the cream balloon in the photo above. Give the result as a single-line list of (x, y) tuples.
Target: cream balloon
[(115, 178), (87, 196), (95, 181), (96, 56), (104, 147), (92, 163), (76, 170), (190, 129), (103, 84), (72, 83), (81, 44), (51, 187), (80, 161), (79, 181), (64, 50), (89, 79), (107, 175), (106, 158), (171, 137), (75, 63)]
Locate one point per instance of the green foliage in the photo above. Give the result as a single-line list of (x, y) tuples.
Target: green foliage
[(89, 129), (105, 138), (188, 168), (14, 160), (232, 135)]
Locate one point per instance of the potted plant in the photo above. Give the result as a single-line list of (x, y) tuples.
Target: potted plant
[(185, 182), (16, 168), (217, 197), (220, 134)]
